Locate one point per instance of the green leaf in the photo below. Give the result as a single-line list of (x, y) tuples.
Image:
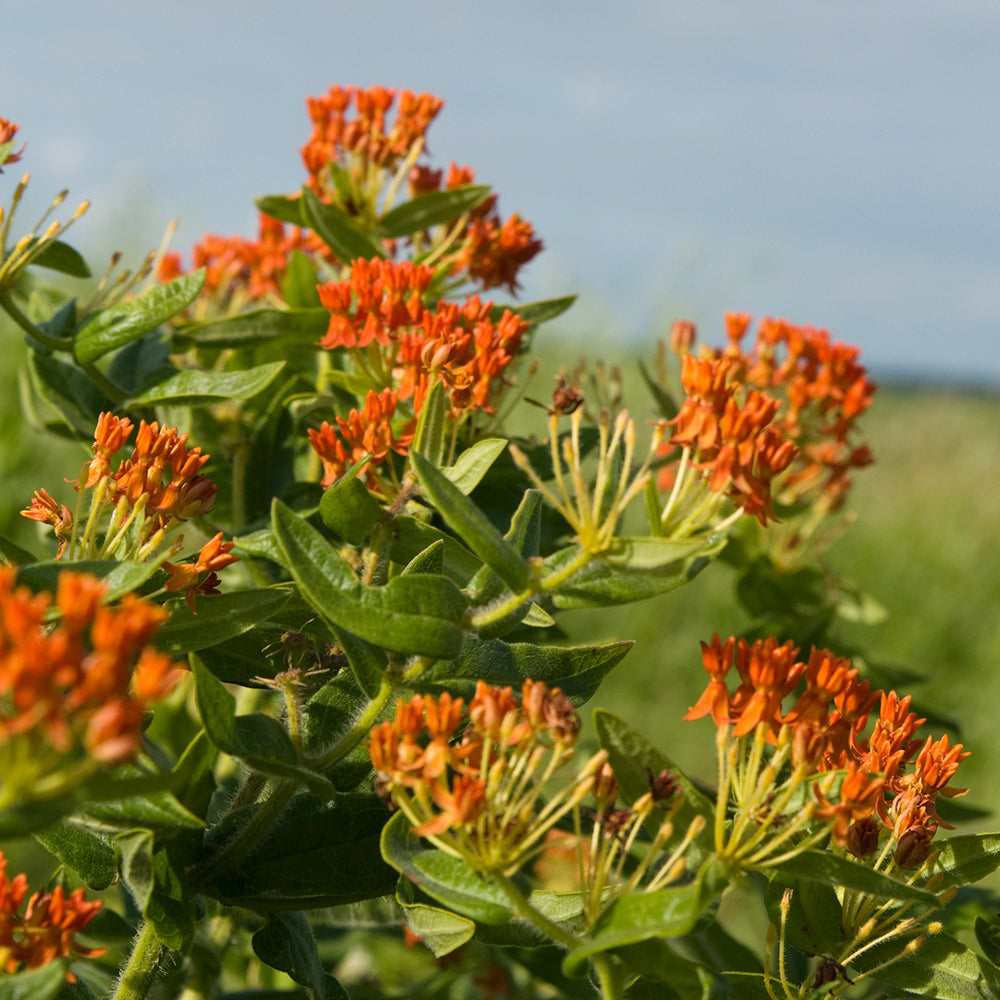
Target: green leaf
[(431, 209), (441, 930), (348, 508), (474, 463), (611, 579), (61, 257), (89, 854), (637, 917), (192, 778), (634, 761), (119, 577), (578, 670), (11, 554), (305, 326), (127, 321), (367, 661), (298, 288), (535, 313), (38, 984), (416, 614), (447, 879), (988, 936), (338, 230), (218, 618), (317, 854), (134, 849), (333, 710), (411, 537), (813, 921), (286, 943), (155, 810), (283, 207), (432, 430), (822, 866), (665, 403), (472, 525), (203, 388), (69, 391), (941, 967), (966, 859)]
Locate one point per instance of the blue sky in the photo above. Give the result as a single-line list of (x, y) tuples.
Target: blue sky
[(835, 164)]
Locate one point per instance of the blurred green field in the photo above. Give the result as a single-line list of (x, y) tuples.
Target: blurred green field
[(926, 545)]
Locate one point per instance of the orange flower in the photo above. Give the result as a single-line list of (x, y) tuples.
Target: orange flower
[(859, 794), (7, 132), (67, 687), (46, 930), (200, 577)]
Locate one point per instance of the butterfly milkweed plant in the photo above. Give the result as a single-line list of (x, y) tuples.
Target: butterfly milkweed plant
[(286, 706)]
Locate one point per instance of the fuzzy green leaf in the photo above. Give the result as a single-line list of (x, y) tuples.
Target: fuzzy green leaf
[(89, 854), (966, 859), (286, 943), (447, 879), (431, 209), (248, 329), (218, 618), (416, 614), (348, 509), (203, 388), (474, 463), (127, 321), (441, 930), (472, 525), (38, 984), (535, 313), (283, 207), (338, 230)]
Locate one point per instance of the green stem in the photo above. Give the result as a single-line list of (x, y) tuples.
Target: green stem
[(498, 612), (53, 343), (359, 730), (529, 913), (252, 834), (138, 975), (610, 976)]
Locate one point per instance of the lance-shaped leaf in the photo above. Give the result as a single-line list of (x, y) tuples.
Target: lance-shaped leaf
[(219, 618), (127, 321), (286, 943), (302, 326), (447, 879), (813, 919), (431, 209), (822, 866), (441, 930), (119, 577), (638, 917), (201, 388), (317, 854), (966, 859), (416, 614), (411, 537), (69, 391), (61, 257), (367, 661), (472, 525), (89, 854), (298, 287), (635, 762), (578, 670), (283, 207), (535, 312), (338, 230), (474, 463), (941, 967), (431, 433), (11, 554), (614, 580)]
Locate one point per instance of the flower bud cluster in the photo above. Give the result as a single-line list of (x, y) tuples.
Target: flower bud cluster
[(860, 782), (73, 695), (470, 779), (45, 930)]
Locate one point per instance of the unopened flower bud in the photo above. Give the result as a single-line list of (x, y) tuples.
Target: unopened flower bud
[(915, 846), (862, 837), (682, 336)]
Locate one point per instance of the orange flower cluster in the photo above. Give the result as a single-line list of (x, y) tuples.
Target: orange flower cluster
[(827, 726), (83, 684), (200, 576), (367, 133), (44, 932), (490, 252), (729, 430), (236, 267), (7, 132), (824, 389), (447, 782), (368, 434)]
